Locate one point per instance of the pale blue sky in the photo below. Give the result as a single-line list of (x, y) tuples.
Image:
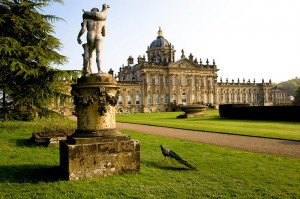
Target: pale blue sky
[(247, 38)]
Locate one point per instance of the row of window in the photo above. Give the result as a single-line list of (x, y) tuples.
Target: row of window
[(237, 91), (204, 81), (280, 95), (238, 97), (165, 99)]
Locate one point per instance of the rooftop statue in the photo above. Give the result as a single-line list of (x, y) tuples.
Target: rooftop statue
[(94, 22)]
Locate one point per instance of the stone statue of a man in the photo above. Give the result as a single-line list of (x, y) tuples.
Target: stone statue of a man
[(94, 22)]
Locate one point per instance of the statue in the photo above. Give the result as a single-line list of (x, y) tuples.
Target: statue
[(182, 54), (94, 22)]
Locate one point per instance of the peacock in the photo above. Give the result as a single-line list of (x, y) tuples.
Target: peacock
[(171, 154)]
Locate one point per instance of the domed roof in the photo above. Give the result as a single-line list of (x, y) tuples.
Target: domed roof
[(160, 41)]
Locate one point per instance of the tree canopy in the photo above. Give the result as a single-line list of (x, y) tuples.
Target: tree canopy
[(27, 51), (290, 86)]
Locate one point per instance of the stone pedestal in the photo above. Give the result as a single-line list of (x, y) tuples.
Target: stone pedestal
[(97, 148)]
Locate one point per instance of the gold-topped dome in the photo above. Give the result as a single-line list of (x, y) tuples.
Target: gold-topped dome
[(160, 41)]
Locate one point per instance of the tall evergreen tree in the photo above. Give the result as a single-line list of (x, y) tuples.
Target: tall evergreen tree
[(27, 52)]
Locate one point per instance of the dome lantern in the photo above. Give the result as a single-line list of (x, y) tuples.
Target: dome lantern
[(160, 50), (159, 33), (160, 41)]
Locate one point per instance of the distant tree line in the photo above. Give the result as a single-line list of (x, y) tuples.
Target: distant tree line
[(290, 86)]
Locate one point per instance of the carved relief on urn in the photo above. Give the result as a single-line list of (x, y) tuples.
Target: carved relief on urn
[(95, 98)]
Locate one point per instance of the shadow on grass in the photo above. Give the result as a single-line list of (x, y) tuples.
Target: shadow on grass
[(23, 142), (194, 118), (164, 165), (29, 173)]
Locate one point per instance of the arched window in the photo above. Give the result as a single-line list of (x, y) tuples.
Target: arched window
[(157, 80), (120, 99), (157, 98), (183, 98), (174, 98), (128, 99), (137, 99), (149, 98), (166, 98)]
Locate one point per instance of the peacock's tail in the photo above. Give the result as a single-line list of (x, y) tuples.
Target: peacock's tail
[(180, 160)]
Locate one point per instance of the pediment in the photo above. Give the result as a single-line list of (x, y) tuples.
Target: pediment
[(184, 63)]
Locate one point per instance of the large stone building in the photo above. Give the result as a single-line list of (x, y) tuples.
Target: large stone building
[(279, 97), (162, 83)]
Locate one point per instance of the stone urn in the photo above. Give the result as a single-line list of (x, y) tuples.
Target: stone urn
[(190, 111)]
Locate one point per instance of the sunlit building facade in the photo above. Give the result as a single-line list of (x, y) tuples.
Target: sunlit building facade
[(161, 83)]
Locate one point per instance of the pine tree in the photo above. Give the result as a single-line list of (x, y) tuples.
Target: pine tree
[(27, 52)]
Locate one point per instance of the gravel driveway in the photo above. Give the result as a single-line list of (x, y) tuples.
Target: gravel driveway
[(253, 144)]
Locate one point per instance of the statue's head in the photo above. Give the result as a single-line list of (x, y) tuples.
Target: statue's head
[(105, 6), (94, 10)]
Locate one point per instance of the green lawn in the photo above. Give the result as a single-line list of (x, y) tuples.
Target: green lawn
[(33, 172), (213, 123)]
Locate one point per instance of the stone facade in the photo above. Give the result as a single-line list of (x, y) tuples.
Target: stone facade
[(255, 94), (161, 83), (279, 96)]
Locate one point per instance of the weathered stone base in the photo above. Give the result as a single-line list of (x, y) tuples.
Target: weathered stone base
[(48, 138), (95, 157)]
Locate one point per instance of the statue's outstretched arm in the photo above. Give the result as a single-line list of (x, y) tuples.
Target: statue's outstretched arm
[(82, 30)]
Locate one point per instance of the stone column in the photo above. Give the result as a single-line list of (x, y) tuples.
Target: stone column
[(97, 148)]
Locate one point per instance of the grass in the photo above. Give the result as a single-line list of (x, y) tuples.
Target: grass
[(213, 123), (33, 172)]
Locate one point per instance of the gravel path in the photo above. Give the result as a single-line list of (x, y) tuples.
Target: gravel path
[(253, 144)]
